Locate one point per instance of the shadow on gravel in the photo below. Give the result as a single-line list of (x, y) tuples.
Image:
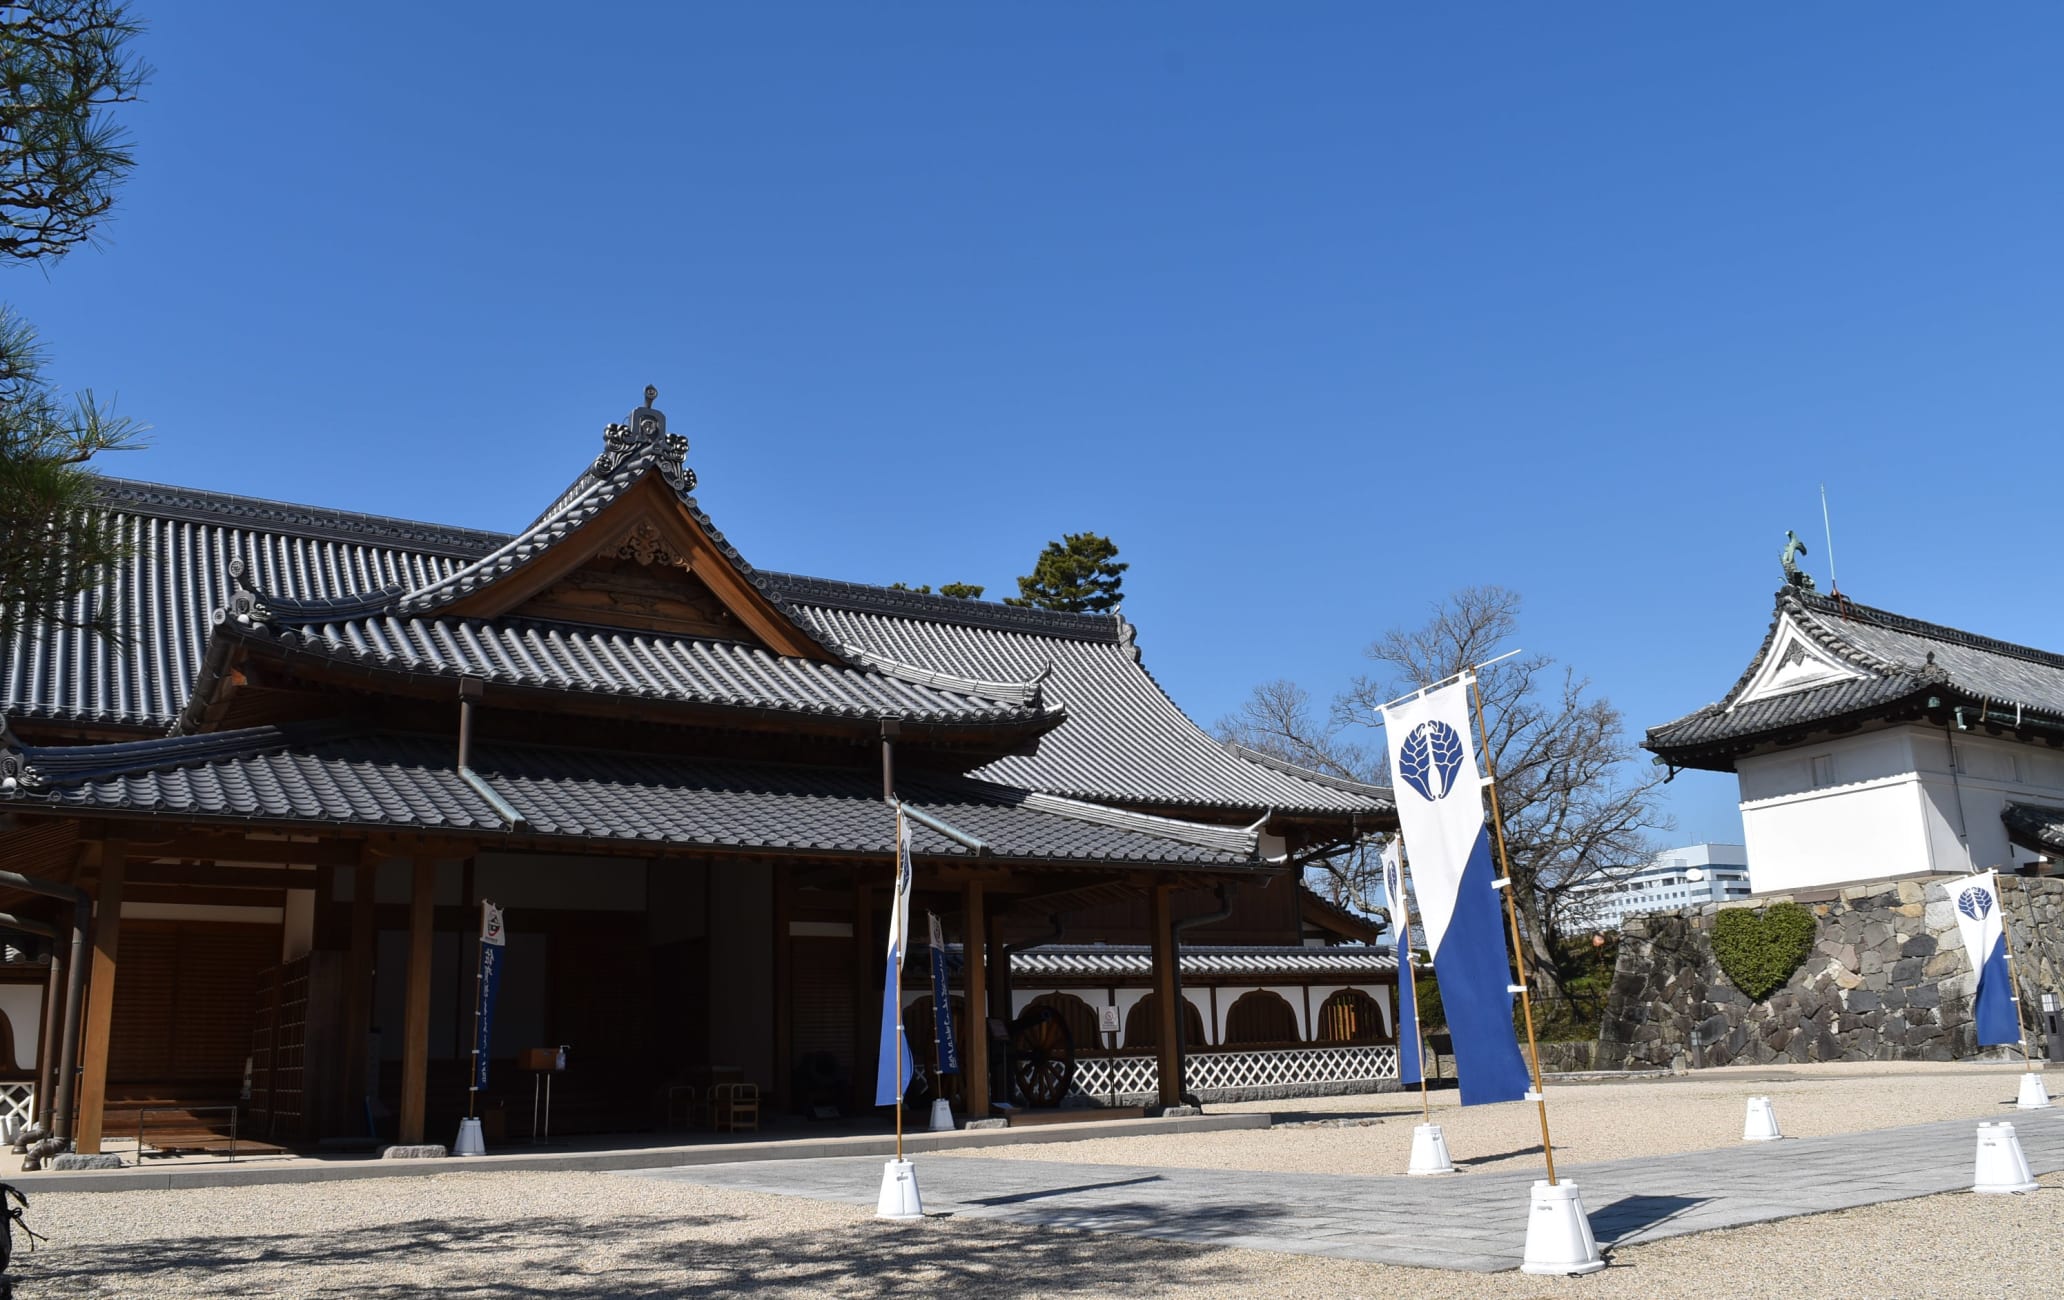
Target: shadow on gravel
[(1533, 1150), (1623, 1218), (626, 1258)]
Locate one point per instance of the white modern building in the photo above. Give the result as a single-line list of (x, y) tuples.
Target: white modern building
[(1692, 876), (1869, 745)]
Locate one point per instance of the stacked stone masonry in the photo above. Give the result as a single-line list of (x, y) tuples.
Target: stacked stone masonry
[(1887, 980)]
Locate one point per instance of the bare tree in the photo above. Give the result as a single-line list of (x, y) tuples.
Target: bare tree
[(1573, 816), (1575, 810), (1278, 719)]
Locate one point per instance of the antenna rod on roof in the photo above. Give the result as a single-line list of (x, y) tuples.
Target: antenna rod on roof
[(1834, 583)]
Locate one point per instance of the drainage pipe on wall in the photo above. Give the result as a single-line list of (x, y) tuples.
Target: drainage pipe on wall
[(75, 991)]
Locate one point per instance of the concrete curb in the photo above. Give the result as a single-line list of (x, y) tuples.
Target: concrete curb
[(715, 1153)]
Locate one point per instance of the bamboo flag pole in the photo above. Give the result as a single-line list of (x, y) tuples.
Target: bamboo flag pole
[(1512, 919), (896, 976), (2013, 974), (1405, 973)]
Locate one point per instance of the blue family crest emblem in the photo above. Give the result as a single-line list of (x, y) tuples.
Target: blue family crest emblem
[(1975, 903), (1431, 759)]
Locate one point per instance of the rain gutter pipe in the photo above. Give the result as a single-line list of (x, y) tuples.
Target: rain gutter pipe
[(1182, 1049), (471, 689), (75, 991), (890, 729)]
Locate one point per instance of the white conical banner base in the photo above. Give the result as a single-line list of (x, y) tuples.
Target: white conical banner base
[(2034, 1096), (942, 1116), (470, 1142), (2001, 1166), (1761, 1124), (898, 1199), (1558, 1236), (1430, 1151)]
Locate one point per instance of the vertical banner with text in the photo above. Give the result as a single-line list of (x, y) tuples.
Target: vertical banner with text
[(493, 949)]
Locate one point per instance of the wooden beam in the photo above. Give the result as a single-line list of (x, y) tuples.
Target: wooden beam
[(866, 993), (358, 992), (100, 999), (1161, 933), (208, 876), (975, 993), (784, 990), (204, 847), (415, 1045)]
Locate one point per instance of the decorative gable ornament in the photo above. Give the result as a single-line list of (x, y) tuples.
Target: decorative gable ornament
[(1796, 662), (646, 428), (645, 545)]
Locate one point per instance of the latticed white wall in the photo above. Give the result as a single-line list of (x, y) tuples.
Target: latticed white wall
[(1137, 1077), (17, 1101), (1135, 1080)]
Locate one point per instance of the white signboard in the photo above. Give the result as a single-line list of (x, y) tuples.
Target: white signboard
[(1107, 1020)]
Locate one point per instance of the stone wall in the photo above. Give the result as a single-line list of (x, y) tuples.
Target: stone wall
[(1887, 980)]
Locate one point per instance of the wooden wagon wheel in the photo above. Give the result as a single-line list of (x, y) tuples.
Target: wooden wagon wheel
[(1042, 1057)]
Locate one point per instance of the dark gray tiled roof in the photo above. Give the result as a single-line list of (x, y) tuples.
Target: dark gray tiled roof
[(2036, 827), (181, 544), (1901, 659), (1200, 960), (339, 777), (1124, 740), (648, 666)]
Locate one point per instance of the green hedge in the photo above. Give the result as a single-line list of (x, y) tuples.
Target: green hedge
[(1759, 950)]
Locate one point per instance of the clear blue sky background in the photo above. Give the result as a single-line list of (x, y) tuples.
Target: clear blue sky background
[(1319, 310)]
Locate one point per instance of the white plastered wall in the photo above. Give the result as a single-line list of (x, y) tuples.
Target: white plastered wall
[(1891, 806)]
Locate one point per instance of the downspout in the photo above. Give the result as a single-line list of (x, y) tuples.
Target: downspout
[(1182, 1049), (75, 992), (470, 689), (1956, 784)]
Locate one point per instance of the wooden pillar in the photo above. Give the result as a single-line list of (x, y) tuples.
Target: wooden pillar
[(50, 1036), (1161, 926), (100, 998), (866, 994), (975, 995), (415, 1043), (784, 990), (998, 962), (358, 994)]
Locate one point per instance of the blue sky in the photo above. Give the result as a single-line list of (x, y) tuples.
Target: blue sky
[(1320, 311)]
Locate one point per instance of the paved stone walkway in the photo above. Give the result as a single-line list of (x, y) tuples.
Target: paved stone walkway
[(1474, 1221)]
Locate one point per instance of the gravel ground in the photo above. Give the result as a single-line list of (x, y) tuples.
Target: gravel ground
[(1588, 1121), (606, 1235), (610, 1235)]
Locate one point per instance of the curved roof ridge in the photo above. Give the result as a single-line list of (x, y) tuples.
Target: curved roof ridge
[(574, 508), (605, 661), (197, 505), (70, 764), (867, 598), (1202, 834), (1288, 768), (1025, 693), (1827, 607)]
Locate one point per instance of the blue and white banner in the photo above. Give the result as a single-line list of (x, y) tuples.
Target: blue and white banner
[(942, 1005), (1410, 1068), (1977, 903), (494, 941), (892, 1072), (1439, 791)]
